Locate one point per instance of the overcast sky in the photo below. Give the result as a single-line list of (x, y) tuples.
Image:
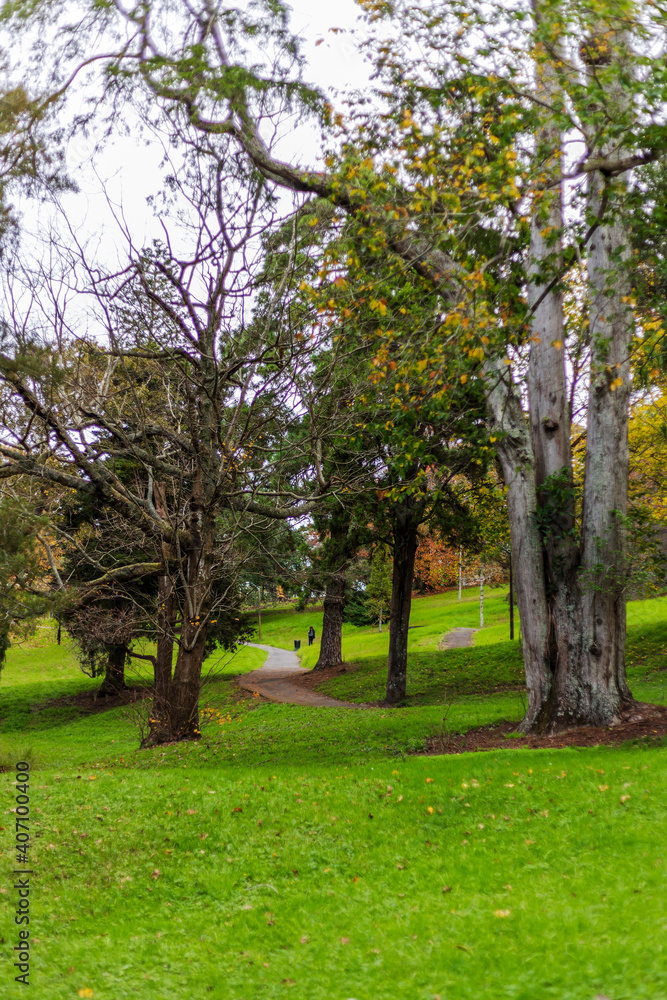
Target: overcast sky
[(127, 173)]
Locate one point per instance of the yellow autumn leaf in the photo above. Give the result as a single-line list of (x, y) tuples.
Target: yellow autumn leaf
[(616, 384), (603, 788), (464, 379), (430, 810), (558, 344), (86, 992), (501, 913)]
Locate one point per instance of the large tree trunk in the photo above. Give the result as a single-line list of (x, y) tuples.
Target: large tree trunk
[(405, 549), (331, 645), (550, 429), (186, 685), (510, 426), (175, 710), (341, 545), (114, 678), (570, 595), (600, 691)]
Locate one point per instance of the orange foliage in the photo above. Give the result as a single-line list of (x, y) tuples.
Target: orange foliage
[(436, 565)]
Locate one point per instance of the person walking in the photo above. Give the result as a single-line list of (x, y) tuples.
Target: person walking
[(311, 635)]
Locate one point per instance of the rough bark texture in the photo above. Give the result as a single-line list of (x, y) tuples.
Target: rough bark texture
[(331, 645), (175, 709), (114, 678), (405, 549), (515, 453), (570, 591), (602, 688), (341, 545)]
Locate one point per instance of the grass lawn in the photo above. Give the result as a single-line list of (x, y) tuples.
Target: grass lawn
[(303, 853)]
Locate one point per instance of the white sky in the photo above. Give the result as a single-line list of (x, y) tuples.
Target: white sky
[(128, 171)]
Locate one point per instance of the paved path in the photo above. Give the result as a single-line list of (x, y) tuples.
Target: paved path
[(457, 638), (275, 681)]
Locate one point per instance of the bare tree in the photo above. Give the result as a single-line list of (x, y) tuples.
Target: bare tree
[(174, 417)]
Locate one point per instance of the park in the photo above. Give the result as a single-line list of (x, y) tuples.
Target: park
[(333, 507)]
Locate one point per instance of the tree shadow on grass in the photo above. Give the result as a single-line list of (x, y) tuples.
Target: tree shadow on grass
[(435, 676)]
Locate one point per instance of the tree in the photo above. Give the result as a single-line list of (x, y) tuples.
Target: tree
[(24, 592), (106, 614), (379, 587), (185, 392)]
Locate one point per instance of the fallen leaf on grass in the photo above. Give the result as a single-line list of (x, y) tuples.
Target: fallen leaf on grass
[(430, 810), (624, 798), (501, 913), (446, 888), (86, 992), (305, 939), (603, 788), (156, 873), (429, 781), (344, 940)]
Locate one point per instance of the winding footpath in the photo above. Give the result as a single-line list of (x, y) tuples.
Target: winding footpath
[(275, 680)]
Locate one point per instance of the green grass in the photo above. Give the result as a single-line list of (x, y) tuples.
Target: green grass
[(293, 851), (187, 895), (494, 663)]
